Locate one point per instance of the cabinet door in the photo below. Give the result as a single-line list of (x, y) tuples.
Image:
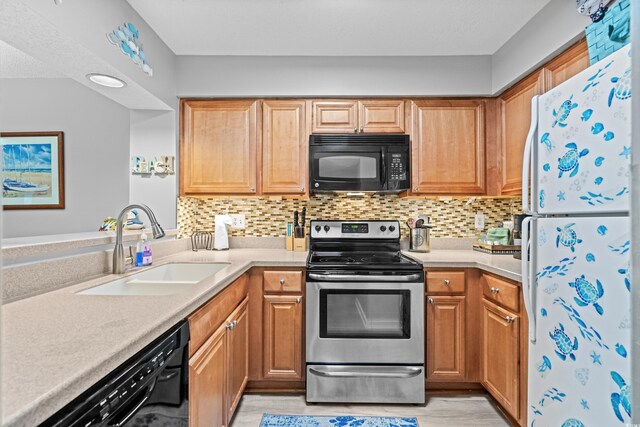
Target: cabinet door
[(335, 116), (238, 355), (282, 336), (515, 105), (445, 338), (378, 116), (218, 147), (500, 356), (285, 134), (448, 147), (567, 64), (208, 382)]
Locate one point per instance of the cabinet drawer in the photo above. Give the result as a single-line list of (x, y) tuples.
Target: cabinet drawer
[(445, 282), (501, 292), (210, 316), (282, 281)]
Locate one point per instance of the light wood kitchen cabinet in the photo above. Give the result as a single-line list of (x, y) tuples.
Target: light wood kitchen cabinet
[(365, 116), (515, 107), (218, 356), (282, 336), (285, 136), (567, 64), (218, 148), (501, 356), (448, 147), (446, 359)]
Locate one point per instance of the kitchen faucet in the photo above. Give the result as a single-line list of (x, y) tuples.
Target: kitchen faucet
[(118, 251)]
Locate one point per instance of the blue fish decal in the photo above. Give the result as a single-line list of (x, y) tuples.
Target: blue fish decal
[(599, 161), (598, 180), (597, 128), (542, 198), (546, 167), (543, 311), (586, 115), (602, 230), (591, 257), (609, 136), (621, 350)]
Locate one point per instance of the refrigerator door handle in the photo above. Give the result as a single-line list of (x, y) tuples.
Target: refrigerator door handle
[(527, 294), (527, 169)]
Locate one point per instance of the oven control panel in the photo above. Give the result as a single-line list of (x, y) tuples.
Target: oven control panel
[(355, 230)]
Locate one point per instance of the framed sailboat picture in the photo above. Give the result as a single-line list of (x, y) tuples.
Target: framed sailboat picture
[(32, 170)]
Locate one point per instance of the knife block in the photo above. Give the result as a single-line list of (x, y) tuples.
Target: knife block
[(300, 244)]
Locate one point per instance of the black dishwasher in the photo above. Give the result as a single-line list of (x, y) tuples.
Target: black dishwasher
[(150, 389)]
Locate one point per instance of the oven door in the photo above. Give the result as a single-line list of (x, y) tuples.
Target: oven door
[(356, 322), (348, 167)]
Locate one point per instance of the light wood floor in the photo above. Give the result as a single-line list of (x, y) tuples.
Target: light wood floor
[(440, 411)]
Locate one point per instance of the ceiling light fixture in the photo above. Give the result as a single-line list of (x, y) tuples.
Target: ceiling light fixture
[(106, 80)]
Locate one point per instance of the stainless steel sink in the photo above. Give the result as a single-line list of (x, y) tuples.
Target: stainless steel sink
[(166, 279)]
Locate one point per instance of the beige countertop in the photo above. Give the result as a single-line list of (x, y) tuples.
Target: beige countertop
[(56, 345)]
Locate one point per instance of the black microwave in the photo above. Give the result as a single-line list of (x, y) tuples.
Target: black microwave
[(359, 162)]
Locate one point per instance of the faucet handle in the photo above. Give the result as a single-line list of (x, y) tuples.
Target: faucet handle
[(131, 258)]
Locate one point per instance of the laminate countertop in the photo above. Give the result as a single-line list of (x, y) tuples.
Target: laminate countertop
[(56, 345)]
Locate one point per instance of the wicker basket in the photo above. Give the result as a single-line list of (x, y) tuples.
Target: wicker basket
[(611, 33)]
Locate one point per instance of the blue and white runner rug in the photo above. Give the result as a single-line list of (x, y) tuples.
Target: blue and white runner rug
[(271, 420)]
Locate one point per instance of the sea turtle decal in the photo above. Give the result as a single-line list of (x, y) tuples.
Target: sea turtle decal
[(564, 347), (563, 112), (621, 399), (567, 237), (569, 162), (588, 293), (622, 88), (572, 422)]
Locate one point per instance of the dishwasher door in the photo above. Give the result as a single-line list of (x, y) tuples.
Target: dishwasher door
[(150, 389)]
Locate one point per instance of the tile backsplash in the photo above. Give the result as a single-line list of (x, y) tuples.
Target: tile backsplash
[(450, 217)]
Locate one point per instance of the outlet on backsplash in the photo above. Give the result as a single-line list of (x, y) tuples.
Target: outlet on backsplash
[(239, 221), (479, 221)]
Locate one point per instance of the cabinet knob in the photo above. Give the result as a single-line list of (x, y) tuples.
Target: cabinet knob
[(509, 319), (495, 290), (415, 189), (355, 130), (298, 300), (430, 300), (231, 325), (252, 189), (282, 281), (361, 130), (447, 282), (301, 188)]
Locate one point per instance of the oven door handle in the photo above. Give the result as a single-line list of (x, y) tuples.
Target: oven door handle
[(406, 372), (363, 278)]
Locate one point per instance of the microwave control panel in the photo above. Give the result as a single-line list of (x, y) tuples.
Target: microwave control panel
[(398, 168)]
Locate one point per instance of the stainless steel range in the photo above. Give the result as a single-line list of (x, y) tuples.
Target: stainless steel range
[(365, 315)]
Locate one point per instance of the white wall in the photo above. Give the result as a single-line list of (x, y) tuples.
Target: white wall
[(328, 76), (153, 133), (549, 32), (96, 152)]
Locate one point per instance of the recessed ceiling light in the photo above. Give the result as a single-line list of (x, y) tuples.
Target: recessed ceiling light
[(105, 80)]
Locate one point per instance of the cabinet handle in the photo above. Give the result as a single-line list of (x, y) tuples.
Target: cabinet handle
[(298, 300), (509, 319), (430, 300), (447, 282), (495, 290)]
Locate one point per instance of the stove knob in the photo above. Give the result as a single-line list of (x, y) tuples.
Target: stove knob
[(318, 228), (383, 228), (392, 228), (326, 228)]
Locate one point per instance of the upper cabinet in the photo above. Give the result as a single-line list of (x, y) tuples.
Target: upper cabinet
[(285, 135), (366, 116), (567, 64), (448, 147), (218, 150), (515, 107)]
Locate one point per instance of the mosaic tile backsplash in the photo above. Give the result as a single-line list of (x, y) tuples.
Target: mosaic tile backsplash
[(267, 217)]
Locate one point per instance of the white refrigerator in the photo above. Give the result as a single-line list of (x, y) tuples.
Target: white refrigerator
[(575, 254)]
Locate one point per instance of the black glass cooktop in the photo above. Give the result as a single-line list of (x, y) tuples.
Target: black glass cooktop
[(355, 259)]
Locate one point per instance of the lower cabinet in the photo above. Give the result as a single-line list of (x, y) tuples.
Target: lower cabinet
[(500, 356), (446, 357), (219, 367), (282, 335)]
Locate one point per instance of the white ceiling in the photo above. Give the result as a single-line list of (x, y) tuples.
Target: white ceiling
[(15, 64), (336, 27)]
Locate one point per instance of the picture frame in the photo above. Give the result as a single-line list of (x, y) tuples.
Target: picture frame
[(33, 170)]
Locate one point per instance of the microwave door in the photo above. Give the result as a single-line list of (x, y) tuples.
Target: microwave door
[(349, 170)]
